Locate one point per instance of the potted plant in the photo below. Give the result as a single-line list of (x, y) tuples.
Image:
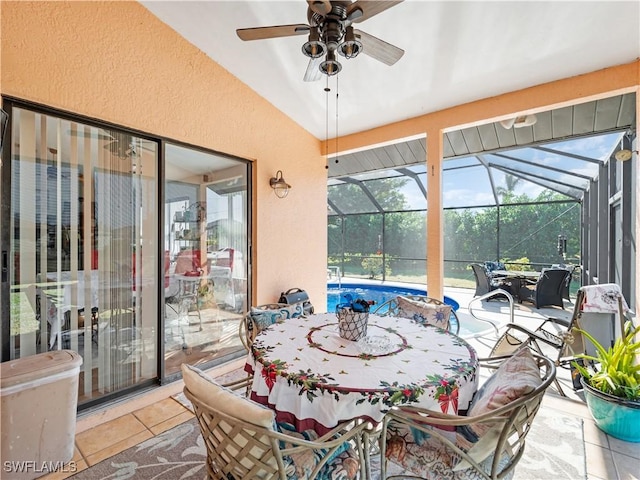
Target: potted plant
[(612, 388)]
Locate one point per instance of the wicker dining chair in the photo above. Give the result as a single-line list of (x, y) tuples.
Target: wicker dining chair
[(264, 315), (390, 308), (242, 441), (487, 443)]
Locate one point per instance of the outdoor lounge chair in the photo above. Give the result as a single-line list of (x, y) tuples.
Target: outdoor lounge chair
[(558, 339), (487, 443), (390, 308)]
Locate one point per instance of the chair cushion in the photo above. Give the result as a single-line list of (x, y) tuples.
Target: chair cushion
[(343, 464), (491, 266), (428, 457), (208, 391), (424, 313), (516, 377), (263, 317)]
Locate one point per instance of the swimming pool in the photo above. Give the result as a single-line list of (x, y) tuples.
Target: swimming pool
[(470, 327), (377, 293)]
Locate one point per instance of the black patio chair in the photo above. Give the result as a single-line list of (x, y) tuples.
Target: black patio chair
[(548, 290), (484, 283), (566, 291)]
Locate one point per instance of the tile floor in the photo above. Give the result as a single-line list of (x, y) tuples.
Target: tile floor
[(104, 433)]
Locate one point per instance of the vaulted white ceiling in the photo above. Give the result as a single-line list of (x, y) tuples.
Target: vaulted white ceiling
[(455, 52)]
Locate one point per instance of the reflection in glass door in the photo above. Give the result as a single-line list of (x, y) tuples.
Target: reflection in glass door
[(84, 249), (205, 256)]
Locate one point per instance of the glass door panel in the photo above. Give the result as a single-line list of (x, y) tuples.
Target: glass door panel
[(206, 253), (84, 249)]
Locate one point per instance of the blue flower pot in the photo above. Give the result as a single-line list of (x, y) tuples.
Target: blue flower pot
[(615, 416)]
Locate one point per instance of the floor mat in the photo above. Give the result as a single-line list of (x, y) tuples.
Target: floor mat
[(555, 450)]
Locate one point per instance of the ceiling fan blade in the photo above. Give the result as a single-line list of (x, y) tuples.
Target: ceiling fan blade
[(379, 49), (313, 72), (321, 7), (261, 33), (100, 134), (369, 9)]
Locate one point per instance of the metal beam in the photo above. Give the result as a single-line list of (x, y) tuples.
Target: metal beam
[(546, 167), (531, 177), (603, 219), (626, 232), (366, 192), (409, 173), (568, 154)]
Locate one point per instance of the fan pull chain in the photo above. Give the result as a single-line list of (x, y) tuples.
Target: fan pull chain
[(326, 138), (337, 93)]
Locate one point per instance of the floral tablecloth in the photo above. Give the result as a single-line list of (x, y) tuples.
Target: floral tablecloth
[(313, 378)]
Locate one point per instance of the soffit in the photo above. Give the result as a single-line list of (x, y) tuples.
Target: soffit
[(584, 120)]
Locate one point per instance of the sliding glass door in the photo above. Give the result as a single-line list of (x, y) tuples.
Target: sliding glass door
[(83, 249), (136, 274)]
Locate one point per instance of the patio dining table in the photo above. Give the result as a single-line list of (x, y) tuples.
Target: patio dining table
[(517, 278), (314, 379), (526, 275)]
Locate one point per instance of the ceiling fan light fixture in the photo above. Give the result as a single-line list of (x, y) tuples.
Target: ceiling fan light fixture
[(330, 66), (332, 34), (314, 47), (351, 46)]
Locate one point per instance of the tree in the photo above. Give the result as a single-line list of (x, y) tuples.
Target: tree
[(508, 190), (528, 227)]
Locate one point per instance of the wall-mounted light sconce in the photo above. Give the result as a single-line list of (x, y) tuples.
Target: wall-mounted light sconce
[(624, 154), (280, 187)]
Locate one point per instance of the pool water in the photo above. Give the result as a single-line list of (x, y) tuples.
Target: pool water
[(377, 293), (470, 327)]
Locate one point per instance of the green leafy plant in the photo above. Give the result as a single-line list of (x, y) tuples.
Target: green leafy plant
[(521, 264), (619, 371), (372, 265)]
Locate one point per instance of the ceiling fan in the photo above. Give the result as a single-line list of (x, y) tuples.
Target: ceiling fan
[(118, 143), (330, 29)]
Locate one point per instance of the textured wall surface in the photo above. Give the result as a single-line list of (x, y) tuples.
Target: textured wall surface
[(116, 62)]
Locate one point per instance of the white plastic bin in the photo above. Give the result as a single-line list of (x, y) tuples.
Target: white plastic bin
[(39, 396)]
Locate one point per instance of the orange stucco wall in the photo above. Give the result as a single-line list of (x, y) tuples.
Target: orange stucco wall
[(116, 62)]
